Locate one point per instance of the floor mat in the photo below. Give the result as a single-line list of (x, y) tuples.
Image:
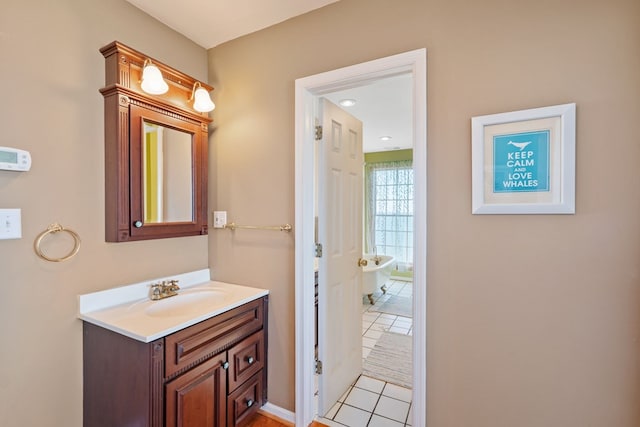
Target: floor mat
[(390, 359)]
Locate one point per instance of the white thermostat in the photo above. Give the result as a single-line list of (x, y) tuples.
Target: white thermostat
[(14, 159)]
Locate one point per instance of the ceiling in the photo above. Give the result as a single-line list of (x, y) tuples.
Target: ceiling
[(386, 110), (384, 107), (212, 22)]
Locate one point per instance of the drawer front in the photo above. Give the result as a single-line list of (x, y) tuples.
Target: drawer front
[(196, 343), (245, 359), (243, 403)]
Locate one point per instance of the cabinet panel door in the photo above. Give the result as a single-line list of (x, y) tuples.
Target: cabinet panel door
[(197, 398)]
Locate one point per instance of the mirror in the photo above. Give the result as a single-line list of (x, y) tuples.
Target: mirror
[(167, 180), (156, 153)]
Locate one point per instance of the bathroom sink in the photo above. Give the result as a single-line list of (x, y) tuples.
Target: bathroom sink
[(128, 310), (186, 302)]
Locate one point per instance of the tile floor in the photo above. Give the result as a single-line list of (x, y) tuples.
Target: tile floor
[(371, 402)]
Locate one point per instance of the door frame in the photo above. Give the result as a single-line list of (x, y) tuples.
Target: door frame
[(307, 90)]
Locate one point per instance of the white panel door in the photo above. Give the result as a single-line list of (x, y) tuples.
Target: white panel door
[(340, 191)]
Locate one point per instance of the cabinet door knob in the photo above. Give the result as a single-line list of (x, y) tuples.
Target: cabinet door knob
[(249, 403), (137, 224), (250, 360), (225, 365)]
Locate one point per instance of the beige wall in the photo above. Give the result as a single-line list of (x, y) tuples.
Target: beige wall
[(532, 320), (50, 73)]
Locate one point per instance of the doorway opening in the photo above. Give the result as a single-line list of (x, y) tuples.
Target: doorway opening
[(365, 337), (308, 90)]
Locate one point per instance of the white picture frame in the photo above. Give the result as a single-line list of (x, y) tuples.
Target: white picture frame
[(523, 162)]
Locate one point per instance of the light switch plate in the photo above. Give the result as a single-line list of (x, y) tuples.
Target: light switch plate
[(10, 224), (219, 219)]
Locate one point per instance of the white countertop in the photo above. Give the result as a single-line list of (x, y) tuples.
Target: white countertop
[(129, 311)]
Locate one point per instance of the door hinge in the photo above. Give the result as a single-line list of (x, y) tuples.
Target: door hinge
[(319, 367), (318, 250), (318, 133)]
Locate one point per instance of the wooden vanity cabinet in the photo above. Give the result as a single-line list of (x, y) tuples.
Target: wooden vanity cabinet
[(210, 374)]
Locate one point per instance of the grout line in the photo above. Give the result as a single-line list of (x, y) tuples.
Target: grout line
[(376, 405), (406, 420)]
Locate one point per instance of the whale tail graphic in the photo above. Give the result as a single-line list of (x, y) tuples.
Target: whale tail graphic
[(520, 145)]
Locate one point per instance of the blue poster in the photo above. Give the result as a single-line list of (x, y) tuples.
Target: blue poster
[(521, 162)]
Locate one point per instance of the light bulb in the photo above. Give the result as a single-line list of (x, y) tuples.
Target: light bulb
[(202, 101), (152, 81)]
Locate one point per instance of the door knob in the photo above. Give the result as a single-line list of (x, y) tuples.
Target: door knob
[(362, 262)]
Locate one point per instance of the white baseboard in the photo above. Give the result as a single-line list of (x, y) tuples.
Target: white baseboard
[(279, 412)]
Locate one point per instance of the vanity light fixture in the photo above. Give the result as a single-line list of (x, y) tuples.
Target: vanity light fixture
[(385, 138), (201, 100), (152, 81)]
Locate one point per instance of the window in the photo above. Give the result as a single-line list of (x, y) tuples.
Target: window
[(389, 210)]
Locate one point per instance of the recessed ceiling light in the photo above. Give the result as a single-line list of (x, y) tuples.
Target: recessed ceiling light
[(347, 102), (385, 138)]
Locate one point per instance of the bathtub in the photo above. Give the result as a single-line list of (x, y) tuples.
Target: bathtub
[(375, 274)]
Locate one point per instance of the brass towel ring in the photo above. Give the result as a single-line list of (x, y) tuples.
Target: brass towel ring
[(54, 228)]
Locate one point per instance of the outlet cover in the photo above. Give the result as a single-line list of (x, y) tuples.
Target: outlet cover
[(219, 219), (10, 224)]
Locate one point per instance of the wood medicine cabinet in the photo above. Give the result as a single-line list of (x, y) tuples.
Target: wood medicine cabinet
[(156, 157)]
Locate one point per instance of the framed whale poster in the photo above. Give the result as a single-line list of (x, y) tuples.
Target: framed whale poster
[(523, 162)]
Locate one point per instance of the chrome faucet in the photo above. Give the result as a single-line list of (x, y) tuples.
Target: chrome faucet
[(376, 258), (164, 289)]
